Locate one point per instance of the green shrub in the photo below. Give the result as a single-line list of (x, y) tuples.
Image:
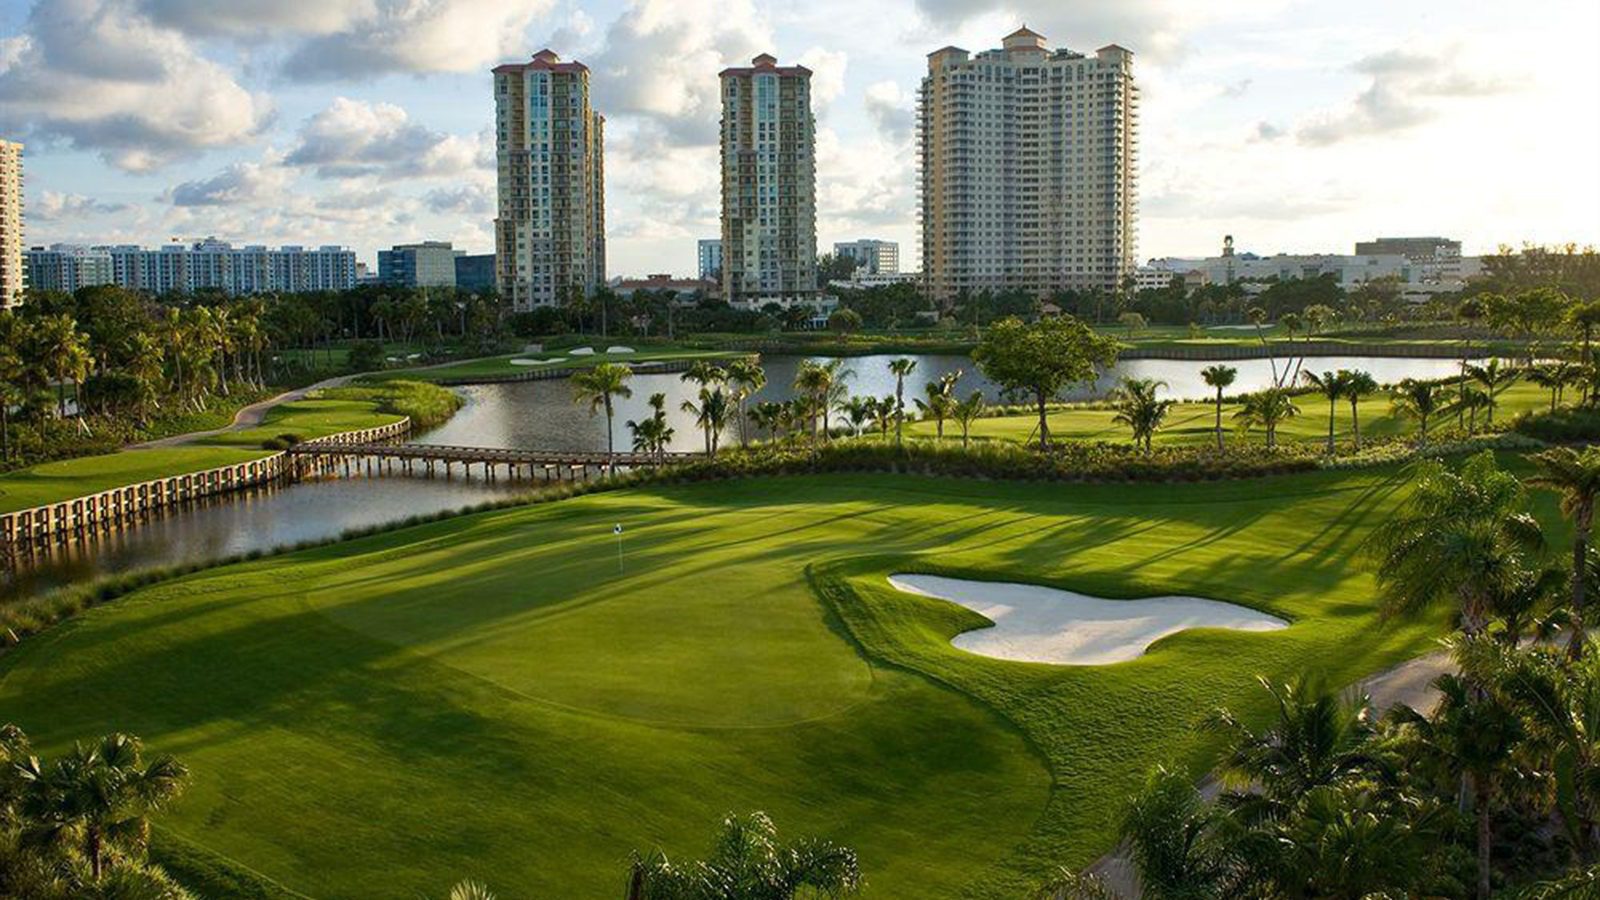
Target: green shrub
[(1564, 425), (427, 404)]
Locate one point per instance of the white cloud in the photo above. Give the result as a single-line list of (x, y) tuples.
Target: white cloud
[(355, 139), (100, 76), (1405, 88), (237, 185), (388, 36), (249, 18), (827, 75), (54, 206), (890, 110)]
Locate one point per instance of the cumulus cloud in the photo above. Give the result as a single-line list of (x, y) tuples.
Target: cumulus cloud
[(417, 36), (1152, 28), (660, 60), (239, 184), (827, 75), (467, 200), (248, 18), (1266, 131), (889, 108), (1405, 88), (101, 76), (354, 139), (54, 206)]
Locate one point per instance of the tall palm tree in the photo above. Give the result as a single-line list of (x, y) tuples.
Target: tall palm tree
[(858, 411), (767, 416), (747, 378), (884, 415), (1267, 409), (711, 415), (1219, 377), (968, 411), (62, 352), (1419, 400), (812, 381), (1332, 385), (597, 387), (900, 368), (1357, 384), (99, 795), (654, 434), (1495, 378), (1576, 477), (1173, 835), (1140, 410), (748, 861), (1464, 535)]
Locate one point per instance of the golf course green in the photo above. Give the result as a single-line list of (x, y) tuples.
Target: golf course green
[(492, 696)]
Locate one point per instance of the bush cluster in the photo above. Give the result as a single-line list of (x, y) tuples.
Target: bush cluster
[(1564, 425)]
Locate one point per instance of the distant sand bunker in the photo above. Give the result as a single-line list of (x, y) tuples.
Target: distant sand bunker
[(536, 362), (1042, 624)]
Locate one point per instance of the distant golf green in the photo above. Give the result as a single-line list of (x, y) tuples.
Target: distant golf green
[(501, 366), (491, 697)]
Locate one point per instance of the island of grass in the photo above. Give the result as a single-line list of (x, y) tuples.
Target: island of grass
[(560, 357), (492, 697), (1194, 423), (326, 412)]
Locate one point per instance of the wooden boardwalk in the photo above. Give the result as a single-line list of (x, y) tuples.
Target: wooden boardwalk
[(432, 460)]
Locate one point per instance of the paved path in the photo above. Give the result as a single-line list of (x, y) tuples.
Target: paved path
[(247, 417), (1410, 683)]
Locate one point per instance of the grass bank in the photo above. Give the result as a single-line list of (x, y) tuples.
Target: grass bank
[(350, 408), (502, 366), (489, 696), (52, 482)]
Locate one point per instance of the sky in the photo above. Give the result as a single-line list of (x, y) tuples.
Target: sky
[(1294, 126)]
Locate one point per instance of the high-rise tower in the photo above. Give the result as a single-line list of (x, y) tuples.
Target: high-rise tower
[(769, 184), (550, 223), (1029, 159), (12, 280)]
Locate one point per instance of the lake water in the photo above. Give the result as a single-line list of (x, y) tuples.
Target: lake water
[(541, 415)]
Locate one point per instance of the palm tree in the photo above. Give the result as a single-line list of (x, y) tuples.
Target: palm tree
[(883, 415), (747, 378), (1419, 400), (1219, 377), (471, 890), (597, 387), (968, 411), (1471, 735), (99, 796), (1332, 386), (858, 410), (654, 434), (704, 373), (1471, 400), (1138, 408), (60, 349), (900, 368), (1495, 378), (748, 861), (1463, 535), (768, 416), (1267, 409), (1357, 384), (711, 415), (1576, 477), (1172, 833), (1585, 316)]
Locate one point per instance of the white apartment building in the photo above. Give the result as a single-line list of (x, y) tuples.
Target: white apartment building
[(1438, 260), (13, 276), (1029, 159), (769, 184), (710, 258), (871, 257), (66, 267), (550, 226), (217, 265)]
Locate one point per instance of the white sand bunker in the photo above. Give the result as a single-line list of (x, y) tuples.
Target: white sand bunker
[(1042, 624), (619, 349), (536, 362), (582, 351)]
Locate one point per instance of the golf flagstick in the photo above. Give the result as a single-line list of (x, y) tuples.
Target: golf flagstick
[(617, 530)]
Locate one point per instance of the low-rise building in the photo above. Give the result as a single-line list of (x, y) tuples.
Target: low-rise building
[(860, 281), (217, 265), (423, 264), (683, 289), (66, 267)]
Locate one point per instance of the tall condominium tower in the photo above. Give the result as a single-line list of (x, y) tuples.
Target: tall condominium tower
[(1029, 162), (550, 230), (769, 184), (12, 280)]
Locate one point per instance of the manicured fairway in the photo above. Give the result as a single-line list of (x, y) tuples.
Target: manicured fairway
[(499, 366), (489, 697), (66, 479), (312, 417), (1195, 423)]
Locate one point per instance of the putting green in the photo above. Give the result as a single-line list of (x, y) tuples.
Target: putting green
[(489, 697)]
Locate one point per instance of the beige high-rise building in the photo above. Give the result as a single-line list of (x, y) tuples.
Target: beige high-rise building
[(769, 184), (550, 225), (1029, 159), (12, 278)]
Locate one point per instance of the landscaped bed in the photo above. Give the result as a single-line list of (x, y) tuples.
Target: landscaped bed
[(491, 697)]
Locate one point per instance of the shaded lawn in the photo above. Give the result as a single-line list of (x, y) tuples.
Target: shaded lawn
[(489, 697)]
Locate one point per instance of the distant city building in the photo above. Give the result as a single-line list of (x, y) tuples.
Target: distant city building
[(871, 257), (475, 272), (711, 258), (13, 277), (424, 264), (861, 282), (1437, 258), (1152, 278), (550, 227), (682, 288), (67, 267), (1029, 160), (365, 275), (769, 184), (217, 265)]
